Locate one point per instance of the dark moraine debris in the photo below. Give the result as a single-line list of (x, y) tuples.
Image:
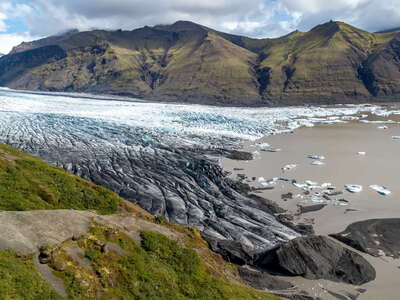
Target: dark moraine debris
[(287, 196), (318, 257), (375, 237), (240, 155), (297, 297), (288, 220), (310, 208), (232, 251), (262, 280)]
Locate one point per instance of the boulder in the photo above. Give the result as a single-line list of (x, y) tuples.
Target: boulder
[(376, 237), (262, 280), (232, 251), (318, 257), (240, 155)]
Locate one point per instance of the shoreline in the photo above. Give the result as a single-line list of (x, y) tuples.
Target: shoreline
[(330, 218)]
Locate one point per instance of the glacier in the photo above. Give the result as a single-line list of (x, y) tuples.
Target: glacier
[(164, 157)]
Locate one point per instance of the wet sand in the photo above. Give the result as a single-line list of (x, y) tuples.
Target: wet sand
[(339, 143)]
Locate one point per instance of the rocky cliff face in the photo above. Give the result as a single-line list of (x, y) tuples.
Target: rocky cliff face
[(333, 62)]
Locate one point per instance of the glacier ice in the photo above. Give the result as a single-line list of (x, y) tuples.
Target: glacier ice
[(160, 155)]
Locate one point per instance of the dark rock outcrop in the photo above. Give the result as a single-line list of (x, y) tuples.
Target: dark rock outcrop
[(231, 251), (318, 257), (262, 280), (240, 155), (376, 237)]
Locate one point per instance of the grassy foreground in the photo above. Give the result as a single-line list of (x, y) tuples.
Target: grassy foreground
[(157, 268), (28, 183), (20, 280), (106, 264)]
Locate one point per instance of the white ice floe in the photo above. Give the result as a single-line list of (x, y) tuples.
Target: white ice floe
[(274, 149), (353, 188), (326, 185), (311, 183), (262, 146), (289, 167), (378, 122), (350, 118), (300, 185), (380, 189), (261, 179), (317, 163), (341, 202), (362, 153), (383, 127), (396, 137), (316, 156)]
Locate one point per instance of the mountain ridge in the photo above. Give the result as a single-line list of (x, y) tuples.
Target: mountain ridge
[(187, 62)]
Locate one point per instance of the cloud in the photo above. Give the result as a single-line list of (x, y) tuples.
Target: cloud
[(371, 15), (9, 40), (257, 18)]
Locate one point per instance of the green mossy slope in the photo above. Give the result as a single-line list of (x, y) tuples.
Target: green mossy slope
[(157, 268), (28, 183), (20, 280)]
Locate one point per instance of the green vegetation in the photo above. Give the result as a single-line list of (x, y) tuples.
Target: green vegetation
[(189, 62), (158, 268), (20, 280), (28, 183)]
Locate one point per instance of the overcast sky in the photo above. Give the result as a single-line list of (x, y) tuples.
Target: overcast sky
[(23, 20)]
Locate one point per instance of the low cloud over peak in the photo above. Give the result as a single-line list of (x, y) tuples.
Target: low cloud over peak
[(22, 19)]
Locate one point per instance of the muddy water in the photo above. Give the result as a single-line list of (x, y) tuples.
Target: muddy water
[(339, 144)]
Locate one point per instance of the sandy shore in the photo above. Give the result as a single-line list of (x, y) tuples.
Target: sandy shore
[(339, 144)]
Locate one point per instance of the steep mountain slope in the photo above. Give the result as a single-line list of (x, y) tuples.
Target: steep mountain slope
[(81, 254), (320, 64), (333, 62)]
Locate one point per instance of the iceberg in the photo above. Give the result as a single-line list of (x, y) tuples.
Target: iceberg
[(317, 163), (289, 167), (396, 137), (316, 156), (383, 127), (362, 153), (380, 189), (353, 188), (311, 183), (274, 150)]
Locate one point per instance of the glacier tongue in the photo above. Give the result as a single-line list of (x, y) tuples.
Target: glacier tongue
[(157, 155)]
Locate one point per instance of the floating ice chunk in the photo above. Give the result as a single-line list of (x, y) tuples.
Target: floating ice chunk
[(362, 153), (316, 156), (350, 118), (353, 188), (274, 149), (396, 137), (341, 202), (377, 122), (300, 185), (311, 183), (273, 181), (326, 185), (317, 163), (263, 146), (284, 179), (289, 167), (261, 179), (380, 189), (383, 127)]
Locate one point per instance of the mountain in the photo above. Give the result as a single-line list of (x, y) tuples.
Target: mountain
[(187, 62), (1, 54), (64, 237), (389, 30)]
